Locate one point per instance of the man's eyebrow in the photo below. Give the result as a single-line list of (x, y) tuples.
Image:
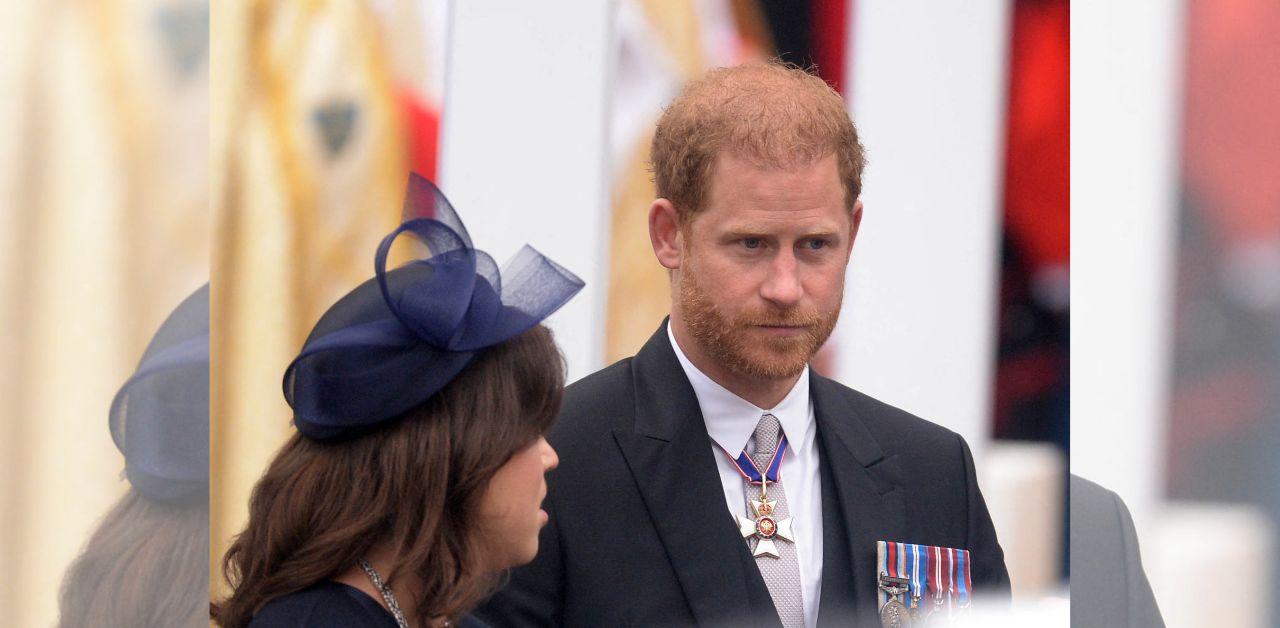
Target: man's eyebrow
[(823, 233), (744, 232)]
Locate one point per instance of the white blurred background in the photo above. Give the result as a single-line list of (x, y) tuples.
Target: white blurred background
[(1175, 146)]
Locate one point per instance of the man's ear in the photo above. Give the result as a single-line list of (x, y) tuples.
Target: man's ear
[(854, 223), (664, 233)]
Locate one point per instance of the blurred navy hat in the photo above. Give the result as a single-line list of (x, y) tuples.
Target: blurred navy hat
[(399, 338), (160, 417)]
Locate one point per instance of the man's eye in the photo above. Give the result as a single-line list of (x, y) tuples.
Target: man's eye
[(751, 243), (816, 244)]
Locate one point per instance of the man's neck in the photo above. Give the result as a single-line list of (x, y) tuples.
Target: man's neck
[(761, 392)]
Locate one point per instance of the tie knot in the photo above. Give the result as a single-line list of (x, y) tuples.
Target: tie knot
[(767, 435)]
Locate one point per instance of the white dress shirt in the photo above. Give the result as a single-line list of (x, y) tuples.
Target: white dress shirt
[(731, 421)]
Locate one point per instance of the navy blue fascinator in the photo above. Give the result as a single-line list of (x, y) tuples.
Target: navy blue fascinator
[(400, 337), (160, 417)]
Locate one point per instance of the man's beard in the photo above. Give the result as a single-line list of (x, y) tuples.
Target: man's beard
[(729, 343)]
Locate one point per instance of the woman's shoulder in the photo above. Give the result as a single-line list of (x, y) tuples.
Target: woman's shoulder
[(323, 605)]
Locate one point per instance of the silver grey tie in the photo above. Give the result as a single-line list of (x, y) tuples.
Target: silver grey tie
[(781, 572)]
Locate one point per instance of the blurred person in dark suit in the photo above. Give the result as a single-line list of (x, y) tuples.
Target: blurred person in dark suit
[(1109, 588)]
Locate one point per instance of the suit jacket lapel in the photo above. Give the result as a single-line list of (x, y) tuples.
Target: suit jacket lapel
[(669, 455), (869, 494)]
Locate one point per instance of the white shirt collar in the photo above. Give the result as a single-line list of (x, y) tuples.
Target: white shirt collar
[(731, 420)]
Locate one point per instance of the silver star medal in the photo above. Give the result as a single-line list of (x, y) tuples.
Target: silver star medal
[(765, 527)]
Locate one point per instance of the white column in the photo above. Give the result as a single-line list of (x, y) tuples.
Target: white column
[(928, 97), (1125, 66), (524, 144)]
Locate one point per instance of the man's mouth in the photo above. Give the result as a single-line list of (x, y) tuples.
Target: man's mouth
[(781, 330)]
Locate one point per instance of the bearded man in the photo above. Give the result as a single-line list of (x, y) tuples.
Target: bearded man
[(713, 479)]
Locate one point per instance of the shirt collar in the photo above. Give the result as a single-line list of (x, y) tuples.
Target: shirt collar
[(731, 420)]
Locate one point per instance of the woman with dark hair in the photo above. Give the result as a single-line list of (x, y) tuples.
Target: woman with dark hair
[(416, 475), (147, 562)]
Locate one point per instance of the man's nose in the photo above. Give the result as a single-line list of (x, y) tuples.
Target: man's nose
[(550, 459), (782, 286)]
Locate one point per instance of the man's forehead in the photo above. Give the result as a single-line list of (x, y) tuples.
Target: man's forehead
[(736, 176), (737, 182)]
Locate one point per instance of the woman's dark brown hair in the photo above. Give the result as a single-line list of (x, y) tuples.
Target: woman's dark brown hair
[(414, 486), (146, 564)]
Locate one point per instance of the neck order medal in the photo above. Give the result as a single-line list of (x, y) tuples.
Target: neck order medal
[(765, 527), (764, 524)]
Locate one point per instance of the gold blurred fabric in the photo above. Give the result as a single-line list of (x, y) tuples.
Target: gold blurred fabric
[(296, 220), (103, 215)]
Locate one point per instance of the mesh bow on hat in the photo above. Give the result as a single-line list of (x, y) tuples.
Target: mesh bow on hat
[(159, 419), (399, 338)]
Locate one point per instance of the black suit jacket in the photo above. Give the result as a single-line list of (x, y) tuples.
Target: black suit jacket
[(640, 535)]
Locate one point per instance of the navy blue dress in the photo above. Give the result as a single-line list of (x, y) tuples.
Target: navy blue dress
[(323, 605), (330, 604)]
